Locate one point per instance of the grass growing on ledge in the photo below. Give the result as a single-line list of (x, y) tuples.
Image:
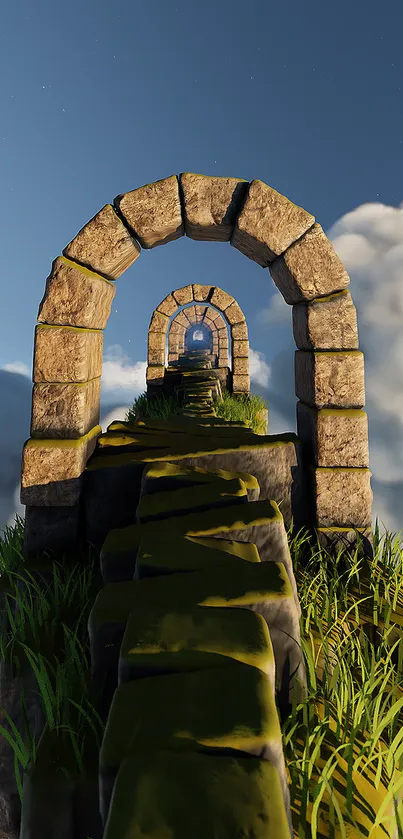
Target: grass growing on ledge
[(235, 407), (354, 696)]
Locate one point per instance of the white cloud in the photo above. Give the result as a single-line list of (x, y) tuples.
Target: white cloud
[(18, 367), (116, 414), (277, 313), (119, 373), (259, 370)]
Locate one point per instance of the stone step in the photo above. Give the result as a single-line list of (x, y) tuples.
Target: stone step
[(228, 814), (220, 493)]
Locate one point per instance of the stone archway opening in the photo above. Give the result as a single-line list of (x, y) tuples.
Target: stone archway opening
[(264, 226)]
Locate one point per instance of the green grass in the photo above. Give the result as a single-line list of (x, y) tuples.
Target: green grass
[(354, 701), (236, 407)]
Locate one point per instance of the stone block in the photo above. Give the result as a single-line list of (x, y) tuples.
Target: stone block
[(221, 324), (155, 374), (76, 296), (216, 317), (104, 245), (153, 212), (334, 437), (168, 306), (201, 292), (239, 331), (183, 319), (240, 349), (191, 313), (223, 342), (268, 224), (67, 354), (221, 299), (52, 470), (65, 410), (156, 347), (240, 383), (172, 356), (52, 528), (240, 366), (327, 323), (183, 295), (211, 205), (234, 313), (201, 309), (309, 268), (342, 497), (330, 379), (177, 328), (158, 322)]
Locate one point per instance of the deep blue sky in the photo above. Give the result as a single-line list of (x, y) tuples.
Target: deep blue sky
[(99, 98)]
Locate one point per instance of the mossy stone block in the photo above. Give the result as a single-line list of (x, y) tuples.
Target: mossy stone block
[(188, 553), (161, 640), (174, 796), (160, 505)]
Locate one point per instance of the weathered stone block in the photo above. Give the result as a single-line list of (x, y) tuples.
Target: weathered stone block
[(155, 374), (104, 245), (177, 328), (168, 306), (223, 342), (183, 319), (240, 366), (156, 347), (234, 313), (76, 296), (240, 349), (158, 322), (201, 292), (239, 331), (58, 527), (216, 317), (65, 410), (67, 354), (342, 497), (268, 224), (334, 437), (221, 324), (191, 313), (310, 268), (330, 379), (153, 212), (240, 383), (211, 205), (327, 323), (221, 299), (183, 295), (52, 470)]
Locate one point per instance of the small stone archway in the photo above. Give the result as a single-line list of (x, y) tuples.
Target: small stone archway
[(227, 316), (212, 320), (266, 227)]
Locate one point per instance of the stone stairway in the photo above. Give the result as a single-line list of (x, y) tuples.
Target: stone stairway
[(194, 635), (190, 665)]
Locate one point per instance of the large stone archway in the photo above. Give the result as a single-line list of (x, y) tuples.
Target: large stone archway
[(267, 228), (225, 318)]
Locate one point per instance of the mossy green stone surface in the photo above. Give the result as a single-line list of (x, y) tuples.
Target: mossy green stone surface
[(155, 473), (225, 707), (161, 639), (218, 493), (182, 446), (199, 524), (248, 583), (164, 796), (189, 553)]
